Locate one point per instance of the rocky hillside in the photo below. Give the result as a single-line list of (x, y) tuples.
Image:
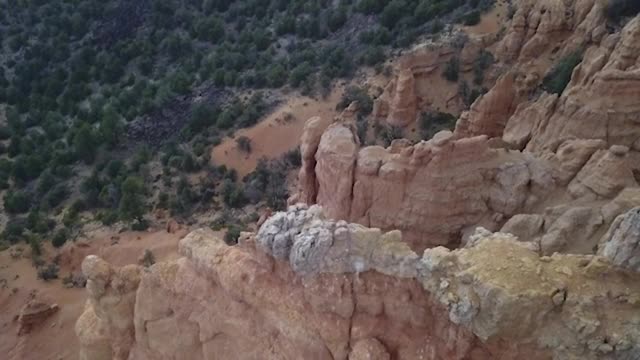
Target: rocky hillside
[(110, 110), (561, 165), (305, 287), (513, 235)]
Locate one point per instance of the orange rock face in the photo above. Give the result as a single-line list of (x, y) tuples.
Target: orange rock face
[(489, 114), (33, 313), (411, 89), (395, 254), (600, 101), (343, 291), (404, 107), (430, 191), (539, 25)]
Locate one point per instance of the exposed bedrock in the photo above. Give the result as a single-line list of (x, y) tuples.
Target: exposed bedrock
[(305, 287)]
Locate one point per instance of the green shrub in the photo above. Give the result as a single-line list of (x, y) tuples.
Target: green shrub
[(203, 116), (209, 29), (371, 6), (452, 69), (617, 9), (560, 75), (354, 93), (294, 157), (132, 205), (85, 143), (472, 18), (389, 133), (379, 36), (140, 225), (373, 55), (56, 196), (300, 73), (148, 258), (60, 237), (17, 201), (71, 217), (233, 194), (107, 217), (480, 65), (337, 18), (14, 230), (5, 133), (433, 122), (244, 144), (35, 245), (232, 235), (163, 201), (48, 272)]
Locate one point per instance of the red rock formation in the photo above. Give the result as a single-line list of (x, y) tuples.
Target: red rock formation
[(539, 25), (404, 107), (489, 113), (431, 191), (34, 312), (599, 103), (411, 89), (313, 129), (310, 285), (173, 226), (343, 291), (106, 329)]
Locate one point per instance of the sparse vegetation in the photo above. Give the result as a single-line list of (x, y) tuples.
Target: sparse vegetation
[(433, 122), (359, 95), (232, 235), (148, 258), (480, 65), (388, 133), (452, 69), (558, 78), (60, 237), (244, 144), (616, 9), (132, 206), (472, 18), (48, 272), (98, 93)]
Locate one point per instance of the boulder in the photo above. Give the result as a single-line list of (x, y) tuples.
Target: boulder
[(621, 244)]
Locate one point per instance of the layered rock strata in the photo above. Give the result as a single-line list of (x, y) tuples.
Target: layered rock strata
[(305, 287), (576, 151), (431, 191)]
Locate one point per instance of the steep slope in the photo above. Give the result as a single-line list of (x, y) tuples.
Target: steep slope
[(517, 151), (360, 270)]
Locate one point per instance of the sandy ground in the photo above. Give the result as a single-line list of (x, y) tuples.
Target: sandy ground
[(55, 339), (274, 136), (492, 21)]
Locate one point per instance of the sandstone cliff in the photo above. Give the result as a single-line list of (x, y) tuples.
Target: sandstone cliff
[(431, 191), (600, 102), (513, 237), (517, 151), (305, 287)]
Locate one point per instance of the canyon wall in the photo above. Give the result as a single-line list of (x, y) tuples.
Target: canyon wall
[(431, 191), (518, 151), (514, 236), (305, 287)]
